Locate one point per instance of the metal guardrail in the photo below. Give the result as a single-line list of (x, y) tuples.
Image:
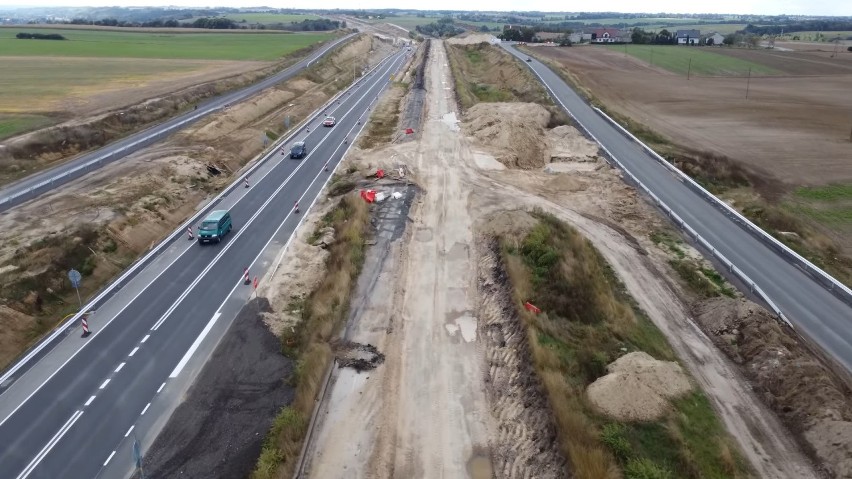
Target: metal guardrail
[(825, 279), (141, 262), (674, 216), (98, 161)]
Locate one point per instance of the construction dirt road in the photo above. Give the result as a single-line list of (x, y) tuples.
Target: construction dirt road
[(448, 401)]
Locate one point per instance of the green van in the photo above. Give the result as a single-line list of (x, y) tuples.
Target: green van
[(215, 226)]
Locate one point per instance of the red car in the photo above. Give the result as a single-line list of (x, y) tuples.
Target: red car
[(329, 121)]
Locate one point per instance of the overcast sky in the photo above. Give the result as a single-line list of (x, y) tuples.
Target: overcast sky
[(768, 7)]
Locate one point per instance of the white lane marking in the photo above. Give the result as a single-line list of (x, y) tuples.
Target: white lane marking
[(146, 409), (129, 430), (251, 220), (161, 388), (133, 352), (55, 439), (119, 367), (109, 458), (90, 400), (146, 337), (194, 346), (104, 384), (14, 369)]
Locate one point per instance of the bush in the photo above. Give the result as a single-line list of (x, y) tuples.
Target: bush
[(40, 36)]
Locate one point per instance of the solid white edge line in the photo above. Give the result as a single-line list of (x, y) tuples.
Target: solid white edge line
[(46, 449), (129, 430), (104, 384), (161, 388), (143, 261), (109, 458), (133, 352), (194, 346), (119, 367), (89, 401), (146, 337), (145, 410)]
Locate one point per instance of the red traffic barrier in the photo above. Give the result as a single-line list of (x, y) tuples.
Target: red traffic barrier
[(246, 278), (86, 331), (255, 282), (531, 307), (368, 195), (380, 173), (190, 236), (409, 131)]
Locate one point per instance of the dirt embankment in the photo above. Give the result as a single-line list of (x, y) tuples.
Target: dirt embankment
[(808, 397), (127, 207)]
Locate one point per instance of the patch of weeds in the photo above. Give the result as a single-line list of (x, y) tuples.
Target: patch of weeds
[(588, 320), (669, 241), (690, 272), (833, 192)]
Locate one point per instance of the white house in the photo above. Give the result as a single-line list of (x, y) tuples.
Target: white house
[(688, 37), (606, 35), (714, 39)]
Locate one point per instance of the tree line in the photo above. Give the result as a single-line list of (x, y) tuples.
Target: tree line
[(40, 36), (444, 27), (216, 23)]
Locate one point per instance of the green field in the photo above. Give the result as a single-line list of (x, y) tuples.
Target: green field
[(676, 59), (405, 21), (268, 18), (13, 124), (633, 21), (204, 46)]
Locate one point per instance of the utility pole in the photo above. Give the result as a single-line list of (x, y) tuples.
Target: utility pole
[(748, 82), (689, 68)]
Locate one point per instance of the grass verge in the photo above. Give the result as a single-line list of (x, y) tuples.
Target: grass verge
[(485, 74), (323, 312), (701, 279), (385, 119), (589, 320)]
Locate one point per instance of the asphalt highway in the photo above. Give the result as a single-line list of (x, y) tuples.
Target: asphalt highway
[(89, 398), (814, 311), (44, 181)]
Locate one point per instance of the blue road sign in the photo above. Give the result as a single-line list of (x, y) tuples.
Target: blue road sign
[(75, 278)]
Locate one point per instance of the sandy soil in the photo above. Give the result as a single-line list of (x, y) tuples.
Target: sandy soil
[(787, 129), (801, 390), (427, 404), (638, 387), (426, 408)]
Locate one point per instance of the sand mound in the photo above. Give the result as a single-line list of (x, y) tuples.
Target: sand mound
[(473, 39), (513, 132), (508, 223), (638, 387), (568, 144), (791, 380)]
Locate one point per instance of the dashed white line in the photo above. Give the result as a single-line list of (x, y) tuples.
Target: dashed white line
[(55, 439), (129, 430), (104, 384), (119, 367), (146, 337), (146, 409), (109, 458), (161, 388), (90, 400), (133, 352)]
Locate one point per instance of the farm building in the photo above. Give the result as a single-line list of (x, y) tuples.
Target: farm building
[(714, 39), (688, 37)]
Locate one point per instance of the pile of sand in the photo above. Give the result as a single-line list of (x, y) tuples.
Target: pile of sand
[(568, 144), (513, 132), (473, 39), (638, 387), (791, 380)]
